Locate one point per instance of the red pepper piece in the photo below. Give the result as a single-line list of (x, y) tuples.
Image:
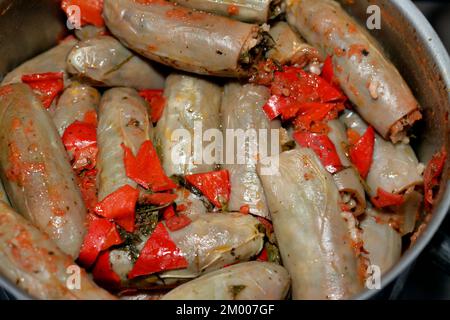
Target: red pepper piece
[(168, 213), (274, 105), (213, 185), (263, 256), (304, 86), (90, 117), (386, 199), (159, 199), (361, 153), (315, 112), (323, 147), (181, 207), (91, 11), (80, 139), (146, 169), (327, 70), (431, 176), (120, 207), (103, 272), (102, 234), (178, 222), (160, 253), (45, 85), (157, 102)]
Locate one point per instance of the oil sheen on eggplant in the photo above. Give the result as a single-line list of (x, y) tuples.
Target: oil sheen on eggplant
[(35, 169)]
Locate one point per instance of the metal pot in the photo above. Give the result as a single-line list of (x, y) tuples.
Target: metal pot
[(29, 27)]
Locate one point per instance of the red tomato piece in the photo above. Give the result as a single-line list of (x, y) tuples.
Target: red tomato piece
[(327, 70), (146, 169), (168, 213), (263, 256), (432, 175), (46, 86), (103, 272), (157, 102), (386, 199), (160, 253), (213, 185), (90, 10), (178, 222), (361, 153), (120, 206), (323, 147), (102, 234)]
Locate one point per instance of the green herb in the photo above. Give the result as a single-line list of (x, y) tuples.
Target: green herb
[(146, 219), (273, 254), (235, 290), (288, 146)]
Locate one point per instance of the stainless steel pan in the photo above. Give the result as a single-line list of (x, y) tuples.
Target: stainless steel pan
[(28, 27)]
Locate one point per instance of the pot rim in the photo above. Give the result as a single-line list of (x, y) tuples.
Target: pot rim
[(437, 51)]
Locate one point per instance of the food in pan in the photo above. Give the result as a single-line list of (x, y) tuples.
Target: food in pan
[(209, 150)]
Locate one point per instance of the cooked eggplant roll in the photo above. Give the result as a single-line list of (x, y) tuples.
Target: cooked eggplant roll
[(314, 241), (369, 79), (29, 259), (381, 241), (289, 47), (36, 171), (104, 61), (191, 103), (76, 102), (89, 31), (53, 60), (244, 281), (257, 11), (123, 119), (394, 168), (242, 110), (210, 242), (189, 40), (347, 180)]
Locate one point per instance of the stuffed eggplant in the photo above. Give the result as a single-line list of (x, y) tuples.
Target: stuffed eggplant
[(314, 241), (192, 105), (199, 243), (243, 120), (36, 171), (104, 61), (53, 60), (368, 78), (123, 119), (188, 40), (79, 102), (35, 264)]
